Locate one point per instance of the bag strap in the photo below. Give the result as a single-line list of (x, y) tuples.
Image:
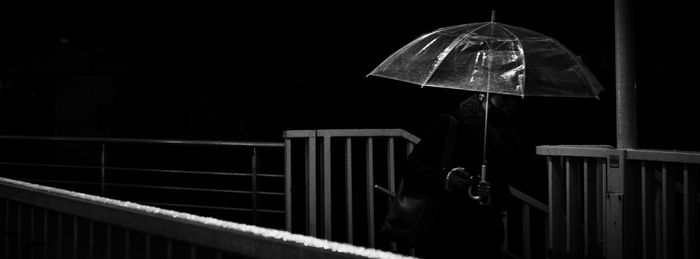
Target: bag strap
[(449, 143)]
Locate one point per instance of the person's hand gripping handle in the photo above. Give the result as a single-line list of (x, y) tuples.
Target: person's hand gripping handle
[(483, 189)]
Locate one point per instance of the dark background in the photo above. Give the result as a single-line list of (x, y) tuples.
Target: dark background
[(248, 72)]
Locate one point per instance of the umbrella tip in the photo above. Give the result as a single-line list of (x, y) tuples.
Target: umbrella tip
[(493, 15)]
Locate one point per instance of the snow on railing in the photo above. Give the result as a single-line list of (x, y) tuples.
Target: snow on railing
[(223, 237)]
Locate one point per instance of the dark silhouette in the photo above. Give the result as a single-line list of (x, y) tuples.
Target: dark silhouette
[(464, 226)]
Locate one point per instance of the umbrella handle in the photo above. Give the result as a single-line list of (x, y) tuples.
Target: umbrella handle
[(483, 179), (472, 196), (481, 199)]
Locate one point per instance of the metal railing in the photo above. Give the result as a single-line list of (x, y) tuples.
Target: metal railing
[(622, 203), (240, 181), (332, 168), (44, 222)]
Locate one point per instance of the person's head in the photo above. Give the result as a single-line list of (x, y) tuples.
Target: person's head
[(502, 102)]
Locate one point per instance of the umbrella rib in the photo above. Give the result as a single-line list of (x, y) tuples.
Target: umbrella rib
[(522, 55), (444, 53)]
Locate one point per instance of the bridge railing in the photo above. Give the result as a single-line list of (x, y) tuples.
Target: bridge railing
[(330, 165), (622, 203), (231, 180), (44, 222)]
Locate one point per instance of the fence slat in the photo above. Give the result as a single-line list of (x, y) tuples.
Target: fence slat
[(690, 213), (348, 190), (668, 232), (370, 191), (311, 186), (288, 184), (573, 206), (527, 235), (648, 195), (327, 216), (557, 207)]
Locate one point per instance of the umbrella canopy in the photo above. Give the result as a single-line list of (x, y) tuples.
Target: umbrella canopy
[(494, 58)]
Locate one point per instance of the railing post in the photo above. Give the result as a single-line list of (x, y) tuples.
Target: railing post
[(311, 185), (557, 208), (288, 183), (254, 185), (103, 164), (348, 190), (622, 218), (326, 181), (370, 191), (690, 213)]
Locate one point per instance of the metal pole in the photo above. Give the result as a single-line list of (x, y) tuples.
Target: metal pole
[(625, 76)]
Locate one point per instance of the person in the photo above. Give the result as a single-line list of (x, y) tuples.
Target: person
[(463, 227)]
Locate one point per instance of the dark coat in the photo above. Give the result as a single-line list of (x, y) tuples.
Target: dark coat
[(460, 221)]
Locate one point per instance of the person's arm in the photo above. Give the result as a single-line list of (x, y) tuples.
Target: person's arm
[(423, 166)]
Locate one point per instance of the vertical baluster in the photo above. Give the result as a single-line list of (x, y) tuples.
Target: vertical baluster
[(370, 190), (648, 194), (311, 185), (6, 228), (169, 249), (527, 252), (148, 251), (45, 234), (601, 182), (590, 222), (91, 239), (103, 165), (327, 217), (348, 189), (391, 165), (127, 243), (254, 186), (32, 229), (668, 208), (391, 174), (108, 240), (19, 230), (288, 183), (557, 206), (690, 213), (193, 252), (573, 206), (59, 240), (74, 234)]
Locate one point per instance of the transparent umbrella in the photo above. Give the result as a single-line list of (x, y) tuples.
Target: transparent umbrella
[(491, 57)]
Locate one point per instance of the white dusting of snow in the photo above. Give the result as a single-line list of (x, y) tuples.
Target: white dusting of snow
[(255, 230)]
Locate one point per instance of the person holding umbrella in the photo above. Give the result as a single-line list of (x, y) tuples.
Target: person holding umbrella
[(502, 63), (464, 226)]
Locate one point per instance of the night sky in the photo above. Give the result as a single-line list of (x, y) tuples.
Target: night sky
[(233, 72)]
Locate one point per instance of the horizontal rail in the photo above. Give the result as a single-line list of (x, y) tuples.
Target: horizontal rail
[(163, 187), (180, 205), (147, 170), (148, 141), (600, 151), (352, 133), (529, 200), (240, 239), (672, 156)]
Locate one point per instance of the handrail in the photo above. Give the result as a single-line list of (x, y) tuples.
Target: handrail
[(223, 236), (529, 199), (147, 141), (633, 199), (353, 133), (106, 170)]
